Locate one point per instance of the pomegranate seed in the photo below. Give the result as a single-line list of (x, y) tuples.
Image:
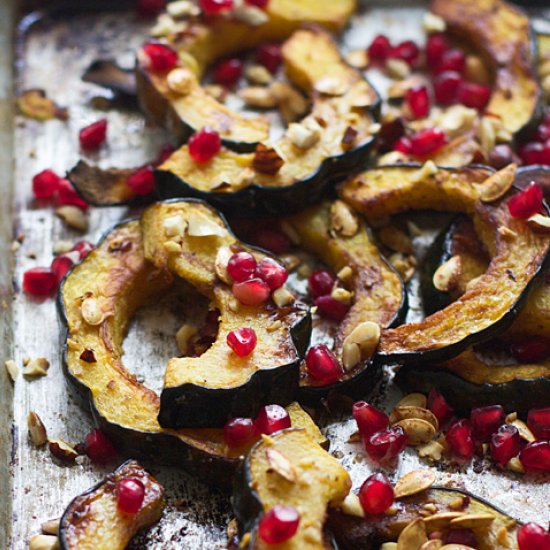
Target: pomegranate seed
[(532, 153), (67, 195), (330, 308), (452, 60), (446, 86), (273, 273), (536, 456), (241, 266), (228, 72), (502, 155), (379, 49), (238, 432), (83, 248), (459, 438), (436, 45), (538, 421), (542, 133), (369, 419), (403, 145), (389, 133), (427, 141), (161, 57), (45, 184), (321, 282), (322, 365), (418, 101), (473, 95), (94, 135), (150, 8), (385, 445), (407, 51), (99, 447), (39, 281), (545, 153), (252, 292), (505, 444), (376, 494), (164, 154), (272, 418), (485, 421), (465, 537), (534, 350), (60, 266), (212, 7), (527, 202), (204, 145), (242, 341), (439, 407), (142, 181), (279, 524), (533, 537), (130, 493), (273, 240), (269, 55)]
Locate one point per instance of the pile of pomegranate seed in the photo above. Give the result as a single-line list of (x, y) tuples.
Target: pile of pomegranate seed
[(533, 537), (130, 494), (160, 58), (242, 341), (279, 524), (376, 494), (526, 203), (228, 73), (142, 181), (99, 447), (47, 185), (204, 145), (269, 55), (93, 136), (322, 365)]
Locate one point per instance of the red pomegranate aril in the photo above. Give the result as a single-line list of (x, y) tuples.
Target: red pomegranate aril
[(60, 266), (385, 445), (446, 86), (273, 240), (485, 421), (533, 350), (403, 145), (407, 51), (376, 494), (418, 101), (94, 135), (460, 440), (330, 308), (213, 7), (161, 57), (272, 418), (439, 407), (164, 154), (228, 72), (536, 456), (150, 8), (39, 281), (320, 283), (262, 4), (83, 248), (279, 524), (130, 494), (389, 133), (436, 45), (269, 55), (45, 184), (204, 145), (322, 365), (542, 133), (538, 421), (241, 266), (369, 418), (238, 432), (532, 153), (533, 537), (473, 95), (545, 153), (452, 60), (242, 341), (379, 49), (142, 181), (505, 444), (526, 203), (464, 537), (252, 292), (99, 447), (67, 195), (427, 141), (273, 273)]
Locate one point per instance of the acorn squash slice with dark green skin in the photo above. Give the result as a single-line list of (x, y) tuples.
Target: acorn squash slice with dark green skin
[(378, 293), (501, 33), (518, 257), (368, 533), (92, 521), (186, 237), (283, 177), (117, 275), (288, 468)]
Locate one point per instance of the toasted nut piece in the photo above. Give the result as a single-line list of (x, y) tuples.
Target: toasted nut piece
[(304, 135), (358, 59), (164, 26), (180, 80), (172, 247), (12, 369), (182, 8), (62, 450), (342, 295), (434, 544), (446, 275), (432, 450), (360, 343), (413, 536), (343, 220), (352, 506), (539, 223), (472, 521), (331, 85), (36, 367), (413, 483), (395, 239), (397, 68), (433, 23), (43, 542), (219, 93), (524, 432), (91, 311), (291, 102), (404, 265), (283, 297), (511, 417), (280, 464), (290, 261), (267, 160), (184, 338), (515, 465), (398, 89), (498, 184), (258, 96), (51, 527), (440, 521), (250, 15), (37, 430), (201, 226), (345, 274), (427, 170), (222, 259), (457, 120), (418, 431), (274, 326), (258, 74), (410, 411), (61, 247), (413, 400), (73, 217), (487, 135), (351, 355), (476, 70)]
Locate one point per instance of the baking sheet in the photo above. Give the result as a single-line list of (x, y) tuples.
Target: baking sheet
[(53, 56)]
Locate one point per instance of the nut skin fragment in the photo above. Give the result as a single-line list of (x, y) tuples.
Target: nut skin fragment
[(37, 430), (62, 450)]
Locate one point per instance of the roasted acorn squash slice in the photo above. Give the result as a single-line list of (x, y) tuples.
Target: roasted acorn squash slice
[(291, 469), (117, 275), (491, 304), (218, 385), (366, 533), (502, 34), (92, 521)]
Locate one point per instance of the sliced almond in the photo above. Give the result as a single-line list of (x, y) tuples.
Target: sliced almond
[(410, 411), (12, 369), (91, 311), (43, 542), (446, 275), (413, 483), (352, 506), (280, 464), (361, 343), (37, 430), (498, 184), (413, 536), (220, 265), (62, 450), (472, 521), (36, 367), (73, 216), (418, 431), (343, 220), (432, 450), (539, 223), (440, 521), (413, 400)]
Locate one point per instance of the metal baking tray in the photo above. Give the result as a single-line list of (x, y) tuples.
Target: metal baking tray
[(52, 53)]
